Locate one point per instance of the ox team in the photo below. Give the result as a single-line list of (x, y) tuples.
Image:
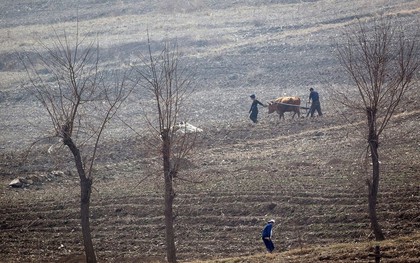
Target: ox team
[(286, 104)]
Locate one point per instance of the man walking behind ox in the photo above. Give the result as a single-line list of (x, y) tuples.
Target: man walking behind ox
[(316, 105), (267, 234)]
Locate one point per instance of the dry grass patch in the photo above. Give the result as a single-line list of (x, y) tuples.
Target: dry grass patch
[(403, 249)]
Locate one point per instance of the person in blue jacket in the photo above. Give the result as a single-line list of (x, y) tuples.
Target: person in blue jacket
[(316, 105), (253, 111), (267, 234)]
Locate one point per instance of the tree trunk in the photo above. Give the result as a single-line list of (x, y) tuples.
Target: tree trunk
[(85, 191), (373, 185), (170, 235), (169, 198)]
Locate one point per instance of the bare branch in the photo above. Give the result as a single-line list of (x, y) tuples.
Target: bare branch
[(165, 81), (80, 104), (381, 64)]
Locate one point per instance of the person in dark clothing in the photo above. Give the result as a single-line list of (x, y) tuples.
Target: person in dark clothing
[(253, 111), (267, 234), (316, 105)]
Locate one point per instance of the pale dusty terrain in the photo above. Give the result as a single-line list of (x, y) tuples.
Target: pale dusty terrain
[(305, 173)]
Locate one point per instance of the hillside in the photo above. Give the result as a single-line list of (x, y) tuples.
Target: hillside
[(305, 173)]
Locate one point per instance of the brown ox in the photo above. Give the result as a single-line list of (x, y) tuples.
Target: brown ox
[(284, 104)]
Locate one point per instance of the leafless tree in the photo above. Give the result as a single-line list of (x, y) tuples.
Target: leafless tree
[(168, 84), (80, 102), (381, 61)]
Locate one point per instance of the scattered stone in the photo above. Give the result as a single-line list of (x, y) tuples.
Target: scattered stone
[(16, 183), (32, 179), (324, 257), (271, 206), (4, 224), (186, 128), (56, 173)]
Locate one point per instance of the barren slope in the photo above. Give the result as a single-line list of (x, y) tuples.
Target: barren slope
[(304, 173)]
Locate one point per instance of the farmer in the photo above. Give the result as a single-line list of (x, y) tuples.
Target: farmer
[(266, 236), (254, 109), (316, 105)]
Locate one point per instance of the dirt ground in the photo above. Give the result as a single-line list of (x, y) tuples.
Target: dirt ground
[(303, 172)]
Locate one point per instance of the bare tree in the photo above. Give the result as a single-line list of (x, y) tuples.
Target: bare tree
[(80, 102), (381, 62), (168, 85)]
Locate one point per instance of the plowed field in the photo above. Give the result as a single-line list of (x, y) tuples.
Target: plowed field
[(305, 173)]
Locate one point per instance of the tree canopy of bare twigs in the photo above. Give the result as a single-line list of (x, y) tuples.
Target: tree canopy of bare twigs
[(381, 61), (80, 101)]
